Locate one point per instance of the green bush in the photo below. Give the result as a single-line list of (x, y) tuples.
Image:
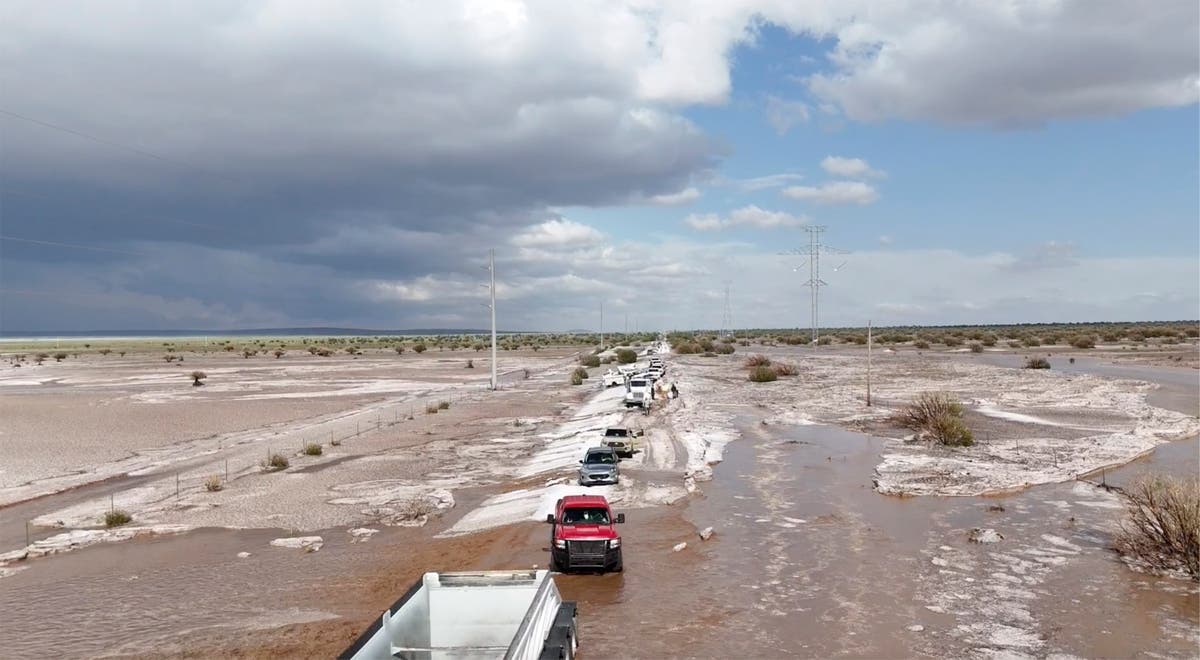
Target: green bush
[(1037, 363), (313, 449), (724, 349), (590, 360), (626, 355), (688, 348), (419, 348), (116, 518), (951, 340), (443, 405), (576, 379), (762, 374), (1083, 341), (938, 415)]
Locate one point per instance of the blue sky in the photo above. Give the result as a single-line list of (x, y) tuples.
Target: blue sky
[(351, 164)]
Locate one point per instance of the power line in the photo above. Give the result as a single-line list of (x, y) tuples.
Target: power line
[(813, 254)]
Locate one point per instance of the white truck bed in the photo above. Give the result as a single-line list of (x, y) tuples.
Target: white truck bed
[(461, 616)]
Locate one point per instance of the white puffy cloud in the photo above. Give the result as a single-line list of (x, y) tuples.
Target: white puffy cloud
[(557, 233), (747, 216), (1007, 64), (834, 192), (681, 198), (850, 168), (769, 181)]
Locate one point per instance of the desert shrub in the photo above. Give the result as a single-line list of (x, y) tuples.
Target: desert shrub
[(443, 405), (1170, 340), (724, 349), (1083, 341), (431, 409), (229, 348), (478, 347), (197, 377), (590, 360), (989, 340), (688, 348), (626, 356), (1012, 343), (313, 449), (170, 358), (758, 360), (399, 350), (470, 364), (951, 340), (1163, 528), (824, 341), (762, 374), (859, 339), (419, 348), (581, 372), (275, 462), (1037, 363), (213, 483), (937, 415), (122, 353), (116, 518), (249, 352), (105, 351), (279, 353), (975, 347), (576, 379), (1192, 332), (784, 369), (1111, 336), (59, 357), (921, 343)]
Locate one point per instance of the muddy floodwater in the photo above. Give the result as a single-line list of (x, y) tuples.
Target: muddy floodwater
[(807, 559)]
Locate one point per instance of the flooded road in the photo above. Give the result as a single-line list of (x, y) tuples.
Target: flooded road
[(808, 561)]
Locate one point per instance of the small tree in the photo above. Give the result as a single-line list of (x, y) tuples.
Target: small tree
[(626, 356), (419, 348), (399, 350), (279, 352), (197, 378), (470, 364), (59, 357), (1037, 363)]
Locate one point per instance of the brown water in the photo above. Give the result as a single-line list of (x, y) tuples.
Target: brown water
[(808, 561)]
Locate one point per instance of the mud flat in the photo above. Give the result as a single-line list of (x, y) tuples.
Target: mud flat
[(783, 472)]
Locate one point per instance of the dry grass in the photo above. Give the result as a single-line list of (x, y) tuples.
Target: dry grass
[(938, 416), (1163, 529), (313, 449), (275, 462), (784, 369), (1037, 363), (757, 360), (213, 483)]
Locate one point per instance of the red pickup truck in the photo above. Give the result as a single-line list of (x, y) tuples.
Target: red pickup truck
[(583, 536)]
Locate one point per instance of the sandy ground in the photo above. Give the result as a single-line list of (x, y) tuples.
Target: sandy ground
[(460, 486)]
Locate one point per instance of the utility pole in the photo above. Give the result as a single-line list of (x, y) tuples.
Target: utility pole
[(868, 364), (815, 248), (492, 307), (727, 315), (601, 325)]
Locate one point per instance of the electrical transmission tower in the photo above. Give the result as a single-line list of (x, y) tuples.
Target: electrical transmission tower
[(813, 257), (727, 315)]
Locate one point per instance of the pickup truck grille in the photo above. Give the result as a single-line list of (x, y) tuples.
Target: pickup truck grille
[(586, 548)]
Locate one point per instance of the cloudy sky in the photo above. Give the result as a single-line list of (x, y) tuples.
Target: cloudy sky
[(237, 164)]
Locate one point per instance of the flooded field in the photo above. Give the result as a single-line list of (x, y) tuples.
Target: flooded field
[(808, 558)]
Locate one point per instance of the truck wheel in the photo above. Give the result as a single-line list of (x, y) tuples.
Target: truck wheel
[(619, 567)]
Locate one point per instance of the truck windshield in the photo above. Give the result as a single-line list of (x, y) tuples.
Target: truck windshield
[(616, 433), (585, 516)]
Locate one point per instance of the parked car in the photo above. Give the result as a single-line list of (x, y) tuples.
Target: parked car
[(583, 536), (599, 466)]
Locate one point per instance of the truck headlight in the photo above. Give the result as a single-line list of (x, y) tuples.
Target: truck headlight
[(614, 543), (560, 544)]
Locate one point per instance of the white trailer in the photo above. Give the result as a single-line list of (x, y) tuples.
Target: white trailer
[(515, 615)]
